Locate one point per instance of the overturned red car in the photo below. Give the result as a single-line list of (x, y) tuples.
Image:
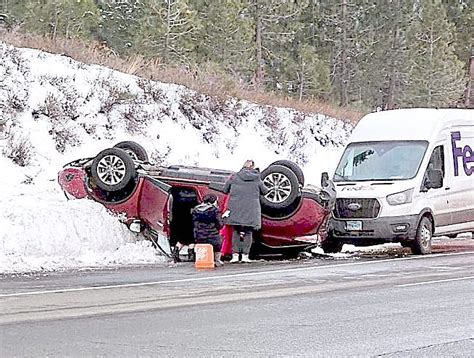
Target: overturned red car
[(158, 200)]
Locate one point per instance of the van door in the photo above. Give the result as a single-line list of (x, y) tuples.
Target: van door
[(460, 176), (438, 197)]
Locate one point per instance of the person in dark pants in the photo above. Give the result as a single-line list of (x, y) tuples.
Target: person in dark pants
[(207, 222), (244, 213)]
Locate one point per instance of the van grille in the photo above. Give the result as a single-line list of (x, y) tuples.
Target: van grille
[(356, 208)]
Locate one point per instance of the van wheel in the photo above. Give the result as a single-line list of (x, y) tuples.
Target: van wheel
[(134, 150), (423, 238), (294, 168)]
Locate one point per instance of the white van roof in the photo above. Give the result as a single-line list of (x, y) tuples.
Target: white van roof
[(409, 124)]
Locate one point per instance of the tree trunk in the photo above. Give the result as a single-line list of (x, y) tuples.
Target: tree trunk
[(259, 72), (301, 87), (468, 101), (344, 81)]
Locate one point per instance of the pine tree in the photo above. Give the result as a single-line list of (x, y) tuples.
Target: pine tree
[(274, 28), (225, 35), (345, 34), (57, 17), (169, 30), (384, 63), (120, 23), (435, 75)]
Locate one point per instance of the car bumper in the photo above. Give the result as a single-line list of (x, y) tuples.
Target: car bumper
[(379, 230)]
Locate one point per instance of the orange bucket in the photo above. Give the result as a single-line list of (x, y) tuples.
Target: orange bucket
[(204, 256)]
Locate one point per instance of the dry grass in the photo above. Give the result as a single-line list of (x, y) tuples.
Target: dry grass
[(202, 79)]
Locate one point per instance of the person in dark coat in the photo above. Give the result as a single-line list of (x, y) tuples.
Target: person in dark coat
[(244, 213), (207, 222)]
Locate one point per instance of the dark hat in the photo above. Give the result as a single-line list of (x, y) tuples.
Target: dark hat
[(210, 198)]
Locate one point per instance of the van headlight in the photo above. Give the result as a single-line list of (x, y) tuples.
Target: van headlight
[(403, 197)]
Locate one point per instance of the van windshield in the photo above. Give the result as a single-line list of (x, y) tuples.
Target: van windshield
[(392, 160)]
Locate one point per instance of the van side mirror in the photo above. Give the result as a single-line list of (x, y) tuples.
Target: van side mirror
[(324, 179), (434, 179)]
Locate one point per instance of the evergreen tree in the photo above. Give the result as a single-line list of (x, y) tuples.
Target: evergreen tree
[(274, 29), (345, 33), (56, 17), (436, 77), (121, 20), (169, 31), (225, 35), (384, 64)]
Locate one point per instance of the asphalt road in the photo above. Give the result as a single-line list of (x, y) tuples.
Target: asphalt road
[(400, 306)]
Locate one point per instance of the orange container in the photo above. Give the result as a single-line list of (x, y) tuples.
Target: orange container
[(204, 256)]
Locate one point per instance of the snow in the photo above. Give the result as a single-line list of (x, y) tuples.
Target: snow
[(65, 110)]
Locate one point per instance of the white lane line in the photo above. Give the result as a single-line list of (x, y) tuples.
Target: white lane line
[(436, 281), (218, 277)]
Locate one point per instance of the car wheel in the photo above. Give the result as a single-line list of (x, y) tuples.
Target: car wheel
[(283, 187), (452, 236), (134, 150), (294, 168), (330, 246), (112, 169), (423, 238)]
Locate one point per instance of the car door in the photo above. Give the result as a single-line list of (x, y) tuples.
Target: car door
[(155, 205)]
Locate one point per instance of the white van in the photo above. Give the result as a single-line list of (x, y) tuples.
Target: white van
[(405, 176)]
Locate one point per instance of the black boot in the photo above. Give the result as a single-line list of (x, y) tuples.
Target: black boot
[(191, 255), (175, 254)]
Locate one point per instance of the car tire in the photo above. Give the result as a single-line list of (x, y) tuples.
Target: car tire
[(330, 246), (423, 238), (295, 168), (452, 236), (284, 187), (135, 150), (112, 169)]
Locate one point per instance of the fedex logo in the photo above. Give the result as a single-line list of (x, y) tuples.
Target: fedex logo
[(466, 154)]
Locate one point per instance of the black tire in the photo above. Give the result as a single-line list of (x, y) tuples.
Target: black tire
[(423, 237), (294, 167), (112, 169), (331, 246), (452, 236), (135, 150), (284, 187), (406, 243)]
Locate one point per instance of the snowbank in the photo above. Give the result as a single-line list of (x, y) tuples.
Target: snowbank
[(56, 110)]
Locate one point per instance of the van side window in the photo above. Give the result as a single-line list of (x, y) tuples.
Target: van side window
[(437, 159)]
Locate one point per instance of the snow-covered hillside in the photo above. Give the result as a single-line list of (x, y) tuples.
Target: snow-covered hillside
[(55, 109)]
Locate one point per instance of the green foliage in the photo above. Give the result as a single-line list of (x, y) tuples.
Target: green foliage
[(356, 52), (65, 18), (169, 31), (436, 75), (120, 22)]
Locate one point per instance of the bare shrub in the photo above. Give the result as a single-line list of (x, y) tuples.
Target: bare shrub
[(151, 90), (158, 157), (111, 94), (63, 137), (136, 119), (16, 103), (195, 108), (60, 112), (19, 150)]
